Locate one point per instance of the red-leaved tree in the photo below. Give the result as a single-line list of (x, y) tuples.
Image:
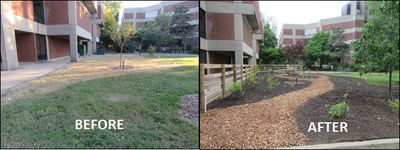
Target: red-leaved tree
[(295, 51)]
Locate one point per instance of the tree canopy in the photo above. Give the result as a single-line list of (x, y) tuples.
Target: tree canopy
[(379, 43), (180, 23), (121, 36), (339, 48), (318, 47), (158, 31)]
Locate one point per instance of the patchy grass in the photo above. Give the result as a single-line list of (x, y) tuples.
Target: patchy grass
[(144, 100), (379, 79), (166, 56)]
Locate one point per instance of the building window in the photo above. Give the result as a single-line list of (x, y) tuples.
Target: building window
[(151, 14), (202, 23), (310, 31), (38, 12), (358, 10), (348, 9)]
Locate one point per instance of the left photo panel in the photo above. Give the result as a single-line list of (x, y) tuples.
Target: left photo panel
[(100, 74)]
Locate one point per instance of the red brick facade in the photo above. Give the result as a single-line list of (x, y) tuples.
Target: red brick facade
[(83, 18), (23, 9), (343, 25), (287, 32), (140, 24), (189, 4), (220, 26), (128, 15), (195, 16), (58, 47), (26, 47), (56, 12), (299, 32), (140, 15), (287, 41), (247, 36), (100, 13), (98, 32)]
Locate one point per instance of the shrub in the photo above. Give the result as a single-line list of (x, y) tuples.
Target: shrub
[(317, 70), (271, 81), (395, 105), (253, 79), (340, 109), (309, 71), (151, 50), (292, 84), (237, 89), (335, 64)]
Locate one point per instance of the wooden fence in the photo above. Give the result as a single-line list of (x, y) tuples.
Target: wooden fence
[(214, 86)]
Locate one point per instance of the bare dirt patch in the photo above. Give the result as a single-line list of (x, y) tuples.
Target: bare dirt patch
[(97, 66), (115, 98), (189, 108)]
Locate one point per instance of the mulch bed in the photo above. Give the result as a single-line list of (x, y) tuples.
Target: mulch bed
[(189, 108), (373, 118), (252, 95)]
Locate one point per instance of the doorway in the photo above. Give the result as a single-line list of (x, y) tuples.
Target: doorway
[(41, 47)]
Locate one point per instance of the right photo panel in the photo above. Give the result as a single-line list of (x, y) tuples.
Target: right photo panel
[(301, 75)]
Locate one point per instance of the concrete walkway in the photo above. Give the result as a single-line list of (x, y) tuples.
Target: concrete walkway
[(371, 144), (29, 71), (155, 54)]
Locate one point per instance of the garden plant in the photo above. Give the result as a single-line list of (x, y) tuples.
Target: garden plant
[(340, 109), (237, 89)]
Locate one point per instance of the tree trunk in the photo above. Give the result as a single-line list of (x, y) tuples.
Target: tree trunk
[(184, 43), (120, 57)]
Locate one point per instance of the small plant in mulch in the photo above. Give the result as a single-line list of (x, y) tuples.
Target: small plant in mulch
[(358, 83), (302, 76), (317, 70), (309, 70), (253, 79), (271, 81), (284, 85), (340, 109), (292, 84), (236, 88), (394, 104)]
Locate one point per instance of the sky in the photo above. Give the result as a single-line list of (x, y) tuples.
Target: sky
[(131, 4), (301, 12)]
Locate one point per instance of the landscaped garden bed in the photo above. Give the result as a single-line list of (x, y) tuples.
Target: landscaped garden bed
[(373, 118), (281, 119)]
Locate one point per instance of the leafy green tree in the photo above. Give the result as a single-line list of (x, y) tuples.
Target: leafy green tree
[(158, 31), (271, 56), (110, 24), (339, 48), (270, 40), (318, 47), (121, 36), (114, 7), (379, 42), (180, 24)]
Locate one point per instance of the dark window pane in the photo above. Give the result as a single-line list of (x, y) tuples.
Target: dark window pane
[(202, 23)]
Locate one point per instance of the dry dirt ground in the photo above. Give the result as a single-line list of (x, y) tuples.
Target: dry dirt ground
[(265, 124), (97, 66)]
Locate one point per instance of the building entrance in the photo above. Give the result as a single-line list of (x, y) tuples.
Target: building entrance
[(41, 47)]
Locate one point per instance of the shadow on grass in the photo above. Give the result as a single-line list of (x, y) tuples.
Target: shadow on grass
[(145, 101)]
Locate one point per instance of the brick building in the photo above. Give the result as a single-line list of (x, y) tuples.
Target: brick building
[(231, 32), (138, 17), (46, 30), (353, 13)]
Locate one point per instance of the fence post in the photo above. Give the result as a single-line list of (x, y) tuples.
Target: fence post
[(241, 73), (202, 88), (234, 73), (223, 80), (247, 72)]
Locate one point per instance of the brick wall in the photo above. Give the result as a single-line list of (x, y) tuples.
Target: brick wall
[(299, 32), (58, 47), (287, 32), (287, 41), (189, 4), (83, 20), (195, 16), (159, 11), (343, 25), (23, 9), (140, 24), (100, 14), (26, 47), (247, 36), (358, 23), (128, 15), (220, 26), (56, 12), (140, 15)]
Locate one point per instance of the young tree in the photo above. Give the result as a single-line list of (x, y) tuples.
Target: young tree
[(180, 24), (339, 48), (318, 47), (121, 36), (295, 51), (379, 45), (271, 56), (271, 20)]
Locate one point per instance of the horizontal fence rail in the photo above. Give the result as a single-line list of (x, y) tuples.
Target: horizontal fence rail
[(214, 86)]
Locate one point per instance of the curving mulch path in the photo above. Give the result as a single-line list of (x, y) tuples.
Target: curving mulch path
[(265, 124)]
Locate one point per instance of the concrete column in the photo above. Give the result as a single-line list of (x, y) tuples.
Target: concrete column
[(73, 47), (9, 54), (93, 42), (238, 57), (208, 61), (47, 47), (89, 48)]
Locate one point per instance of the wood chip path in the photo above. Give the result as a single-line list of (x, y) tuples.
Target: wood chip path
[(263, 125)]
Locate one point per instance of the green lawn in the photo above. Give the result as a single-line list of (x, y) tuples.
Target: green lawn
[(379, 79), (145, 101)]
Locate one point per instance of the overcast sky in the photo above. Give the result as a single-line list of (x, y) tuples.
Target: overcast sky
[(301, 12)]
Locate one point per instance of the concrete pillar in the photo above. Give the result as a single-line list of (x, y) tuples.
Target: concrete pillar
[(9, 54), (238, 57), (47, 47), (208, 61), (89, 48), (94, 34), (73, 47)]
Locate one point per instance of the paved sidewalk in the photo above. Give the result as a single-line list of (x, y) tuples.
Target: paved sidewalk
[(155, 54), (29, 71), (371, 144)]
